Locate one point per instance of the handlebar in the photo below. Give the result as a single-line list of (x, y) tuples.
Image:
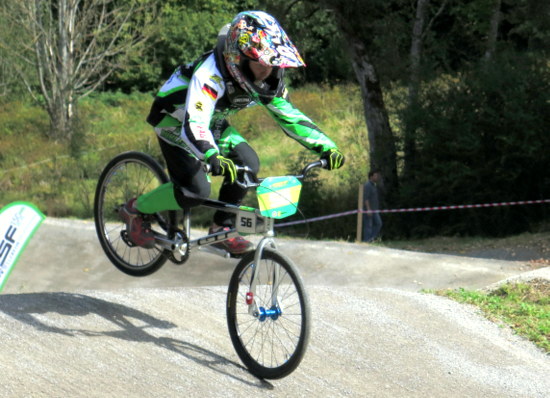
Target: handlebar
[(247, 179), (313, 165)]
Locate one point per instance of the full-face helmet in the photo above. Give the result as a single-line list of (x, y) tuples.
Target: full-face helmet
[(256, 36)]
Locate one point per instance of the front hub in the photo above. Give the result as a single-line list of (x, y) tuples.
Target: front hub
[(274, 313)]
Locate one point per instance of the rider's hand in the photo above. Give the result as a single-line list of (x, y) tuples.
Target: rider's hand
[(335, 159), (222, 166)]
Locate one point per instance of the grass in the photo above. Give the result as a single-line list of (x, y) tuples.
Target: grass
[(525, 307)]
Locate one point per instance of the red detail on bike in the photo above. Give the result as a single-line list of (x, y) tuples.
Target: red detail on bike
[(249, 298)]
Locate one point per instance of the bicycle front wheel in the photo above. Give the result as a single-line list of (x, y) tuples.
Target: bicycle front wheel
[(269, 328), (128, 176)]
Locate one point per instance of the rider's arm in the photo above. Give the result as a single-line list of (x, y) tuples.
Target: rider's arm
[(298, 126), (205, 88)]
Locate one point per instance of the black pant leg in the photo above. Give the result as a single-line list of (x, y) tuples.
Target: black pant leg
[(243, 155), (191, 185)]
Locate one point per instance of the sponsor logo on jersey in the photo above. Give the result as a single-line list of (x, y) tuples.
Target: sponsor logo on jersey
[(216, 79)]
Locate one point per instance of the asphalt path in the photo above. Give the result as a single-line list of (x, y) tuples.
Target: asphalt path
[(73, 325)]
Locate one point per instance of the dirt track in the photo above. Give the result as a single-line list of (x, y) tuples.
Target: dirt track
[(72, 325)]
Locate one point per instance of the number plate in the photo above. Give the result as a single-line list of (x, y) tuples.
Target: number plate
[(246, 222)]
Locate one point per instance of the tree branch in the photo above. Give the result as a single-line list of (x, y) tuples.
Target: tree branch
[(437, 14)]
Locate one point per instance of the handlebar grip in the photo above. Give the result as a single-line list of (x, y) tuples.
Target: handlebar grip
[(207, 168), (319, 163), (247, 177), (246, 169)]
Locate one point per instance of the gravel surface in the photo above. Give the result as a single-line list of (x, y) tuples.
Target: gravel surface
[(74, 326)]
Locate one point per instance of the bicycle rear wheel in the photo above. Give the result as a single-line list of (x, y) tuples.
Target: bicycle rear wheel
[(128, 176), (272, 341)]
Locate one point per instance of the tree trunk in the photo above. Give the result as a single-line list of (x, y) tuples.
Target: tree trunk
[(382, 150), (493, 30), (54, 63), (416, 48), (61, 113), (409, 146), (66, 20), (381, 140)]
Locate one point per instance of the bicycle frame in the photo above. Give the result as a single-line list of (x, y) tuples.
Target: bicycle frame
[(248, 221)]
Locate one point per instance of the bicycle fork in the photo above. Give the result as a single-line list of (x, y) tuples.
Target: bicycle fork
[(263, 313)]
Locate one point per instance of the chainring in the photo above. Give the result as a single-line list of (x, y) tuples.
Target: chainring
[(176, 256)]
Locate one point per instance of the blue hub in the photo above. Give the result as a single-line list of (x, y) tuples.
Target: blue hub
[(274, 312)]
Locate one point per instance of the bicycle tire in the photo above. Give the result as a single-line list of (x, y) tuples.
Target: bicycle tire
[(126, 176), (272, 348)]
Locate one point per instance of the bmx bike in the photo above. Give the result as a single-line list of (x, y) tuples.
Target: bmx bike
[(267, 308)]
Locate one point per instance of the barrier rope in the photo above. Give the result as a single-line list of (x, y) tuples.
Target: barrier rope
[(416, 209)]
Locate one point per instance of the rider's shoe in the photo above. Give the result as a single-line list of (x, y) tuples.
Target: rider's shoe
[(235, 246), (139, 231)]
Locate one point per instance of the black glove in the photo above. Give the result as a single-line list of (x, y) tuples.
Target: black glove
[(335, 159), (222, 166)]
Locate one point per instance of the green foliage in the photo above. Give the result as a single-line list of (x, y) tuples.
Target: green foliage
[(183, 31), (523, 306), (482, 138), (11, 65), (525, 24), (316, 35)]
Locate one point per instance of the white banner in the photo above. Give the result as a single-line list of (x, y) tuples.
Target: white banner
[(18, 222)]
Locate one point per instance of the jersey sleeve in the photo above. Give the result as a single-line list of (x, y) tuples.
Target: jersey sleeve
[(298, 126), (205, 88)]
